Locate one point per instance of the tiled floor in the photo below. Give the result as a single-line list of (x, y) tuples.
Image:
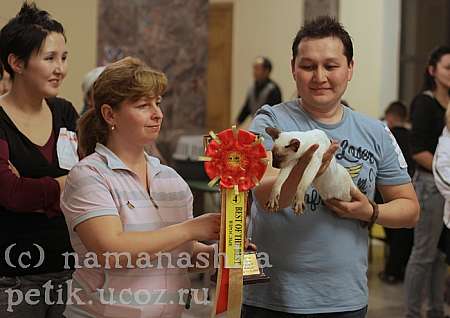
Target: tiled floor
[(385, 301)]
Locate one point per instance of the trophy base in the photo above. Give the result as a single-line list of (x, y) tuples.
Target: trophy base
[(252, 271)]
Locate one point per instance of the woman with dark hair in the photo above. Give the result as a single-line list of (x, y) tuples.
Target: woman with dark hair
[(37, 148), (426, 266)]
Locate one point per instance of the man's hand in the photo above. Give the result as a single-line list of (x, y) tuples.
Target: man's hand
[(326, 159), (359, 208), (249, 246)]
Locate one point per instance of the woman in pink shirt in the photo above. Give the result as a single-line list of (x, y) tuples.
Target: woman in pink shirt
[(129, 217)]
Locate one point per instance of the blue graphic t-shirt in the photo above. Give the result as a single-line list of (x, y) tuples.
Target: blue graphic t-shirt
[(319, 259)]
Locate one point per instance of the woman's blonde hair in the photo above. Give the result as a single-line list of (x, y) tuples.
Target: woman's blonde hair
[(127, 79)]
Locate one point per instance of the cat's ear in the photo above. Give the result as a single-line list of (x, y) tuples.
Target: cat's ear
[(294, 144)]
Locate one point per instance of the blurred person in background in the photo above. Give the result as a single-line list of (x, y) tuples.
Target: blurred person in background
[(426, 270), (86, 87), (400, 241), (441, 172), (263, 91)]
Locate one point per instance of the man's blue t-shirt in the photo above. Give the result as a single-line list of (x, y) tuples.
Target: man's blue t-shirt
[(319, 259)]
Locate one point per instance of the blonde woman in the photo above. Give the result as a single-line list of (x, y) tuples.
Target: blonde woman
[(118, 199)]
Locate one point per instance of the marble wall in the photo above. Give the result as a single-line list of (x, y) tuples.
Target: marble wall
[(171, 36), (316, 8)]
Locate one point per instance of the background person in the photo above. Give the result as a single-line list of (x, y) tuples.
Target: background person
[(263, 91), (400, 241), (426, 269), (441, 172), (34, 158), (86, 87)]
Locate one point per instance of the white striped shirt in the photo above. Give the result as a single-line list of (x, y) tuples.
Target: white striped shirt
[(101, 184), (441, 171)]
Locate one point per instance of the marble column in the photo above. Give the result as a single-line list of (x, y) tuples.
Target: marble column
[(171, 36), (316, 8)]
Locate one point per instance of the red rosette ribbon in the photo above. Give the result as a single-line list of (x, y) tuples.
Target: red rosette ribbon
[(236, 157)]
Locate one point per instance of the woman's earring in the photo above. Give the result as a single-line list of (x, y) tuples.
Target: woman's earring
[(113, 127)]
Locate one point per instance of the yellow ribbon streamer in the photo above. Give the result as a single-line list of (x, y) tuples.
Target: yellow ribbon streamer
[(235, 228)]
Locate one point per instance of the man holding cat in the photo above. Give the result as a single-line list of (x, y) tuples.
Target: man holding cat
[(319, 259)]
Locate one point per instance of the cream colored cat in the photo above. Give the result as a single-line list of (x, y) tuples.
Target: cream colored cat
[(288, 147)]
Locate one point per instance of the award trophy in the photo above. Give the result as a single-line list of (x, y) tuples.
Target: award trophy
[(238, 159)]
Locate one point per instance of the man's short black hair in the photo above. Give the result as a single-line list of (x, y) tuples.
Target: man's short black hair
[(323, 27)]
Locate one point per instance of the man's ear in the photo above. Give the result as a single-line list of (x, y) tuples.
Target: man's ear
[(273, 132), (293, 68), (294, 144), (350, 70), (108, 114)]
